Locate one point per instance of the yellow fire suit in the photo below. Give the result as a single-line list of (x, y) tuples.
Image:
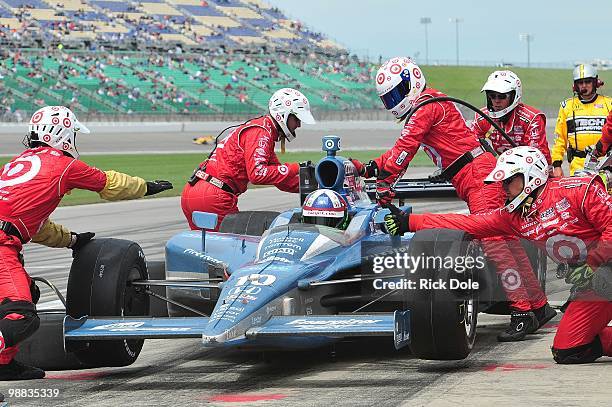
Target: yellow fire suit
[(578, 126)]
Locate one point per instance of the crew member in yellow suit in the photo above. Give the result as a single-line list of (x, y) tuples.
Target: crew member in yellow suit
[(580, 121)]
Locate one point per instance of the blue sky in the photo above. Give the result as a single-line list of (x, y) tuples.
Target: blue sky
[(563, 31)]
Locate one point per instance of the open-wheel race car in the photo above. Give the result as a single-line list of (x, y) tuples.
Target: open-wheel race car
[(269, 280)]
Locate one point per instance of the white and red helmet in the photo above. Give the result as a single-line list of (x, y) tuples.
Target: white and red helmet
[(56, 126), (525, 160), (288, 101), (399, 83), (506, 82)]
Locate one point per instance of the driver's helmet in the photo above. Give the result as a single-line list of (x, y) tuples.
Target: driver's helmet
[(399, 83), (526, 161), (55, 126), (327, 208), (506, 82), (285, 102)]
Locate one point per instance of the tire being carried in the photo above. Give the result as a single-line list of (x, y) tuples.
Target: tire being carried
[(98, 285), (443, 321)]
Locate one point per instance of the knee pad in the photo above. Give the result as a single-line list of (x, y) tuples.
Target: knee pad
[(18, 321), (587, 353)]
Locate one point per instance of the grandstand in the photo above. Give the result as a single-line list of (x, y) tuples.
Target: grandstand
[(169, 57)]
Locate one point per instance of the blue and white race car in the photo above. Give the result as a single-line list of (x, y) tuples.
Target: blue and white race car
[(268, 280)]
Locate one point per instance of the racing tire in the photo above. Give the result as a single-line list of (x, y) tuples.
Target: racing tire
[(252, 223), (443, 321), (157, 271), (45, 348), (98, 285)]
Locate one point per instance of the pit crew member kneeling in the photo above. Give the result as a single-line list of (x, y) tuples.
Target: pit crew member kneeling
[(572, 219), (31, 187)]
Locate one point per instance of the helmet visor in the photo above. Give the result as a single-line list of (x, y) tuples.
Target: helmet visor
[(324, 221), (395, 95)]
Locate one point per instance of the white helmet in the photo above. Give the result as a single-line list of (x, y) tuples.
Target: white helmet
[(56, 126), (503, 82), (525, 160), (399, 83), (584, 71), (288, 101)]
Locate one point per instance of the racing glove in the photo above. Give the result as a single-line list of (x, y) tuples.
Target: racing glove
[(78, 240), (598, 150), (579, 276), (397, 221), (157, 186), (368, 170), (384, 192)]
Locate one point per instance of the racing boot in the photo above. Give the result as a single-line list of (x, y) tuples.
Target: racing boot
[(521, 323), (18, 371), (543, 314)]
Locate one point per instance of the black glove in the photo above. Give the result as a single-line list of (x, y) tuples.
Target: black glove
[(157, 186), (384, 193), (599, 149), (78, 240), (34, 292), (368, 170), (397, 221)]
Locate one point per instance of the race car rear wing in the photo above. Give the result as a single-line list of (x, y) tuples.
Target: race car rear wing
[(416, 188)]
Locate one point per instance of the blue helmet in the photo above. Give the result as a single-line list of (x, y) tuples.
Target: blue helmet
[(326, 207)]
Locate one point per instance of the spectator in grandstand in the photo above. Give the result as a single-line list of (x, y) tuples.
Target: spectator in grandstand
[(247, 155), (571, 218), (525, 125), (445, 137), (580, 121), (33, 184)]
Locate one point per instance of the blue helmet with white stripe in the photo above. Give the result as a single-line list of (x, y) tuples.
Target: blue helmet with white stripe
[(326, 207)]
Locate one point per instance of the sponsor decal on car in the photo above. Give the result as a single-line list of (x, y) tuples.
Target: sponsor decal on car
[(331, 323)]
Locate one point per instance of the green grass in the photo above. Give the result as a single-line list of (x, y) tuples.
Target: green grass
[(176, 168), (542, 88)]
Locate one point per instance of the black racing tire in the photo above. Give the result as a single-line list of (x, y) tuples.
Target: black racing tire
[(98, 285), (157, 271), (45, 348), (443, 321), (252, 223)]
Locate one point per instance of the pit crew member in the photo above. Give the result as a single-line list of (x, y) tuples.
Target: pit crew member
[(442, 132), (571, 218), (31, 187), (247, 155)]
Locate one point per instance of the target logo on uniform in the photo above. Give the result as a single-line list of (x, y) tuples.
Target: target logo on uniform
[(499, 175), (19, 171), (416, 73), (395, 69), (563, 248), (283, 170), (36, 118), (55, 120), (380, 78), (66, 122), (47, 138), (511, 280)]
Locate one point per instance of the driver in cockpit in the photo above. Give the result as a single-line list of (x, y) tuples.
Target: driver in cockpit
[(326, 207)]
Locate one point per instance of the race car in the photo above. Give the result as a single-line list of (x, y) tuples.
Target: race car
[(267, 280)]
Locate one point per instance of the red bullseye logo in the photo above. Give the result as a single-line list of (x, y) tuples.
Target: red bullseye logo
[(418, 85), (47, 138), (54, 120), (529, 160), (511, 280), (565, 249), (36, 118), (499, 175), (66, 122), (65, 146), (380, 78), (395, 69), (528, 190), (287, 103), (537, 181), (416, 73), (278, 117), (55, 108)]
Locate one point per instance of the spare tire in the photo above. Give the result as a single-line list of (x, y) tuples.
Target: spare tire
[(252, 223), (443, 320), (98, 285)]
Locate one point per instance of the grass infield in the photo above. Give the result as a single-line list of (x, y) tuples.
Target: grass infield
[(176, 168)]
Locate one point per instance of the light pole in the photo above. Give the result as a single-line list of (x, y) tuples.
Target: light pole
[(425, 21), (456, 20), (527, 38)]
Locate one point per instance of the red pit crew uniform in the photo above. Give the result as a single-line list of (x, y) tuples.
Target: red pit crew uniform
[(31, 187), (246, 155), (606, 134), (442, 132), (570, 215), (525, 125)]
